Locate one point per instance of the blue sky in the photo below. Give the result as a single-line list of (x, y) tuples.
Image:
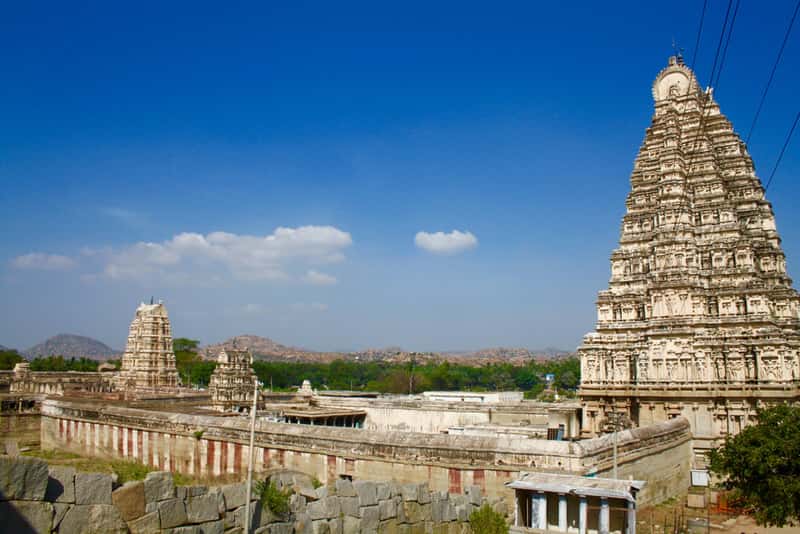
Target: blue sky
[(152, 149)]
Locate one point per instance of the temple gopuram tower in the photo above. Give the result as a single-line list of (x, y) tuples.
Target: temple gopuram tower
[(231, 384), (148, 363), (700, 319)]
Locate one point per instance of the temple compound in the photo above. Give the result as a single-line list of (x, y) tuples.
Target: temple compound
[(148, 363), (700, 318), (233, 380)]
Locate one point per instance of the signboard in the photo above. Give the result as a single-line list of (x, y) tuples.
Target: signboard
[(700, 477)]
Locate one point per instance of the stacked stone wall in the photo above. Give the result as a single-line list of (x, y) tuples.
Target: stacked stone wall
[(35, 498)]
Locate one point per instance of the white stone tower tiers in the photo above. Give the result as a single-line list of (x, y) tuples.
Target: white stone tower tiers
[(149, 360), (700, 318)]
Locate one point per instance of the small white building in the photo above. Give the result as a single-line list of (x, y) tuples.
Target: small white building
[(574, 504), (486, 397)]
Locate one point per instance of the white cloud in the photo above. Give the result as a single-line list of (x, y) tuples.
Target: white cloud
[(319, 279), (192, 257), (442, 243), (47, 262)]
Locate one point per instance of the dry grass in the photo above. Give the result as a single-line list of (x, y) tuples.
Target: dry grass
[(125, 470)]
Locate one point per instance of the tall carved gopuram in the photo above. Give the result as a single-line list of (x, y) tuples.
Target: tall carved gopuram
[(148, 363), (700, 318)]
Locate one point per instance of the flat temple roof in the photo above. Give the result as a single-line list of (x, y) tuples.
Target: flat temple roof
[(578, 485)]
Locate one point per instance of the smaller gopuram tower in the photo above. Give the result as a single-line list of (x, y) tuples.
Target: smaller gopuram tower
[(231, 384), (149, 360)]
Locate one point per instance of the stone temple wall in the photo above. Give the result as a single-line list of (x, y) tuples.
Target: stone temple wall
[(41, 499), (433, 417), (212, 446)]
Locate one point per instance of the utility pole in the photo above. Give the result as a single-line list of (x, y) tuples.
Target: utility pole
[(250, 459), (615, 446)]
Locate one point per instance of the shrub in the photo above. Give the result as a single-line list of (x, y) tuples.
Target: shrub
[(316, 483), (127, 470), (485, 520), (271, 497)]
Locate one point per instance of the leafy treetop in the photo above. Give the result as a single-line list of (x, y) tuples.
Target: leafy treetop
[(761, 465)]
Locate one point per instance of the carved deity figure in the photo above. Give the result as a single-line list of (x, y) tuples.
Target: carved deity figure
[(736, 368), (700, 369), (621, 371), (770, 369), (790, 367), (642, 365), (671, 367)]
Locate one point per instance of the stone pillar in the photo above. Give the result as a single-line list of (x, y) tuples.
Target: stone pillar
[(582, 509), (562, 512), (604, 516), (631, 517), (542, 515)]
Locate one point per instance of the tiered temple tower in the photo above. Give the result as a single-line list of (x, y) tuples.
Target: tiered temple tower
[(232, 382), (700, 318), (149, 360)]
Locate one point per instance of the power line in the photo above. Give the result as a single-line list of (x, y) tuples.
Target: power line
[(719, 45), (772, 73), (708, 99), (780, 156), (699, 32), (707, 96), (715, 84)]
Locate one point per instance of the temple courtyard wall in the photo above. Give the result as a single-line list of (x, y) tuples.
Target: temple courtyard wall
[(391, 414), (211, 446)]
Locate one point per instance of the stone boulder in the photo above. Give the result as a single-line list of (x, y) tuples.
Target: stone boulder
[(202, 508), (344, 488), (146, 524), (60, 509), (92, 488), (234, 495), (159, 486), (22, 516), (326, 508), (172, 513), (367, 492), (93, 519), (129, 499), (60, 484), (22, 478)]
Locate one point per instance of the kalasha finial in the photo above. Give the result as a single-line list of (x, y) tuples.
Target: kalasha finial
[(678, 52)]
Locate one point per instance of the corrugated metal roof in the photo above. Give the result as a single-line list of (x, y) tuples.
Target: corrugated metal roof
[(578, 485)]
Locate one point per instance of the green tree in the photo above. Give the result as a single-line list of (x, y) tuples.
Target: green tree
[(9, 358), (485, 520), (187, 360), (761, 465)]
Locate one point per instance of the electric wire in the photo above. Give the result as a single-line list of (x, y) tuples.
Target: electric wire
[(783, 150), (707, 100), (772, 73), (708, 97), (699, 33), (715, 84)]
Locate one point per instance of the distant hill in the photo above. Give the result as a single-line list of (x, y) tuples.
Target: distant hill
[(264, 348), (72, 346)]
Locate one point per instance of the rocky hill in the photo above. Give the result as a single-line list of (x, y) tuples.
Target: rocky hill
[(264, 348), (72, 346)]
